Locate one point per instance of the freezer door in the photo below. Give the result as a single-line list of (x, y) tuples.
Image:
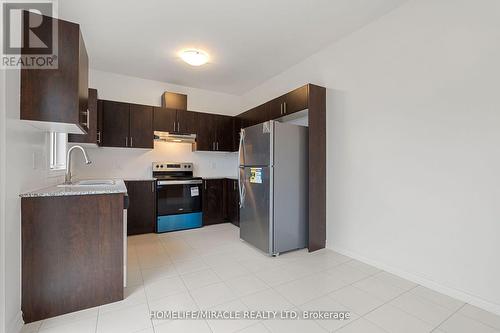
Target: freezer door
[(255, 207), (255, 145)]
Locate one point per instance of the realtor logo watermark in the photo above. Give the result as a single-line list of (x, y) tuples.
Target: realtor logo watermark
[(29, 35)]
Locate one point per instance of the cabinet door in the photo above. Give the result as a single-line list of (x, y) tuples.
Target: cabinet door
[(187, 122), (141, 126), (141, 213), (232, 202), (206, 132), (237, 126), (225, 138), (165, 120), (115, 124), (91, 136), (59, 96), (275, 108), (296, 100), (256, 115), (100, 104), (213, 203)]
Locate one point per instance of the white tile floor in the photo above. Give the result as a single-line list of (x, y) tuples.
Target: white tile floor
[(210, 268)]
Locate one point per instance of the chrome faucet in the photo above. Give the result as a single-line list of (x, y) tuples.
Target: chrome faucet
[(67, 178)]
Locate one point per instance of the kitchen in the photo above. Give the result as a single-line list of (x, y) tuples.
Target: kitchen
[(181, 158), (160, 195)]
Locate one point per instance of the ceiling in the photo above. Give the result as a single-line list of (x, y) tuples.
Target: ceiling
[(248, 41)]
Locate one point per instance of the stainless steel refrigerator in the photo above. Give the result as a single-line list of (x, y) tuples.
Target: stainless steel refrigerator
[(273, 185)]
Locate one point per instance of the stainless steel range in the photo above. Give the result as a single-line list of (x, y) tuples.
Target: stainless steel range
[(178, 197)]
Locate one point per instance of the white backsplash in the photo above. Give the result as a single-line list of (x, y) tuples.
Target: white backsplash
[(129, 163)]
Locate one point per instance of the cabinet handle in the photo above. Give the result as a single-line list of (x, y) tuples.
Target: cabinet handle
[(234, 185), (205, 184), (126, 141), (281, 108), (178, 126), (87, 124), (153, 186), (131, 141), (174, 126), (98, 136), (213, 145), (284, 107), (217, 145)]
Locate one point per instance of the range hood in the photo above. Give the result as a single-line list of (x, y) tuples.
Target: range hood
[(174, 137)]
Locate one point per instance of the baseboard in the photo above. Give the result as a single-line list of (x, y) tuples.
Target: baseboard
[(15, 325), (452, 292)]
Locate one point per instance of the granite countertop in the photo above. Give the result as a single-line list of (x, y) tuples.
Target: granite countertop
[(59, 191)]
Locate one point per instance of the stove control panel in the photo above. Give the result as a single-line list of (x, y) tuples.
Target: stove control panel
[(172, 166)]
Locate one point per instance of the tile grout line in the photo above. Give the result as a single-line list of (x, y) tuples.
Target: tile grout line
[(97, 319), (447, 318), (381, 305), (357, 319), (194, 301), (323, 270), (147, 299)]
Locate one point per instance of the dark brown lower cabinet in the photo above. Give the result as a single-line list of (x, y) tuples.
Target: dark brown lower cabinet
[(232, 201), (72, 253), (141, 213), (220, 201), (213, 201)]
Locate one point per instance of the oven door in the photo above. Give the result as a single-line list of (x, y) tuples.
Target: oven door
[(178, 196)]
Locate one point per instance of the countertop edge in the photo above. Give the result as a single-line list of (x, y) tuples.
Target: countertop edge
[(55, 191)]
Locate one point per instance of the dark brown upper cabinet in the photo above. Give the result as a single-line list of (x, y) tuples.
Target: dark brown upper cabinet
[(127, 125), (206, 132), (141, 126), (165, 120), (255, 116), (214, 132), (275, 108), (237, 126), (93, 134), (56, 99), (224, 133), (213, 201), (175, 121), (294, 101), (115, 124), (187, 122)]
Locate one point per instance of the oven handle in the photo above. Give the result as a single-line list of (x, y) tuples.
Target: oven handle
[(180, 182)]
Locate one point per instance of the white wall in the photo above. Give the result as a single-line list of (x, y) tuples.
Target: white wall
[(25, 164), (136, 163), (413, 130)]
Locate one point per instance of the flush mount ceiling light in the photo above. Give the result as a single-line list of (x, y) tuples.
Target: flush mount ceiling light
[(194, 57)]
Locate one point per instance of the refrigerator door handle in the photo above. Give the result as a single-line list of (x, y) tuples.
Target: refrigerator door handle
[(241, 153), (241, 187)]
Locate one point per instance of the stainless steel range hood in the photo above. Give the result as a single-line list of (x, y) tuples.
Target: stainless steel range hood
[(174, 137)]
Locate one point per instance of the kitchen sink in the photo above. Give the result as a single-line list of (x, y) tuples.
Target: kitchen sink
[(90, 182)]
